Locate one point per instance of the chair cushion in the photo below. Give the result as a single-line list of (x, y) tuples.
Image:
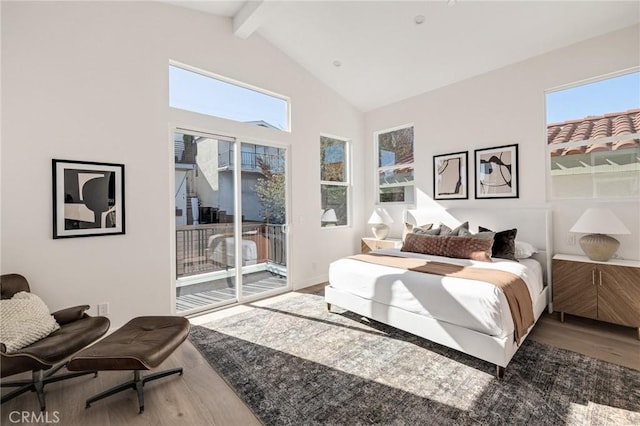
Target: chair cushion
[(25, 319)]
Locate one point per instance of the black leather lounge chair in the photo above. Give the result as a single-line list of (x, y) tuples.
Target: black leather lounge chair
[(50, 354)]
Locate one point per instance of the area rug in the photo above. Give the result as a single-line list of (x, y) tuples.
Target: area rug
[(294, 363)]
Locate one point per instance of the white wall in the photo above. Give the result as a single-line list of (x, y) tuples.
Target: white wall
[(89, 81), (504, 107)]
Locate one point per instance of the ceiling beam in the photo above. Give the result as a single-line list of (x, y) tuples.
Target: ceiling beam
[(248, 19)]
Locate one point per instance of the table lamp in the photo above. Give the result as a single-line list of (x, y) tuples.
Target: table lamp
[(329, 218), (378, 221), (596, 222)]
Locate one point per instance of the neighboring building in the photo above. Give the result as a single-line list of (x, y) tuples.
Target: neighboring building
[(600, 156), (215, 200)]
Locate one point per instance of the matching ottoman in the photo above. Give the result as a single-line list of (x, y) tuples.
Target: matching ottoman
[(141, 344)]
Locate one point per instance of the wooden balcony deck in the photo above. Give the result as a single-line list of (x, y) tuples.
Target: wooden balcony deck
[(223, 290)]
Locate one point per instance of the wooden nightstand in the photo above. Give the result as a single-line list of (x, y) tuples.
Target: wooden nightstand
[(368, 244), (606, 291)]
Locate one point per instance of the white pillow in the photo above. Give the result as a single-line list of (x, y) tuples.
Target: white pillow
[(24, 319), (524, 250)]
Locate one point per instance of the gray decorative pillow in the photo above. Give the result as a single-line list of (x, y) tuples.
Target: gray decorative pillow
[(409, 227), (446, 231), (423, 230), (24, 319), (485, 235)]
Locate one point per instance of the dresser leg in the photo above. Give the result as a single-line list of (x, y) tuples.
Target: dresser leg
[(561, 316)]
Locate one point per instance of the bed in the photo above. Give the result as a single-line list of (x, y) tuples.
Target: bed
[(474, 318)]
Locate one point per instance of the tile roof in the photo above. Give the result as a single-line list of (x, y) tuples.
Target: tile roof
[(594, 127)]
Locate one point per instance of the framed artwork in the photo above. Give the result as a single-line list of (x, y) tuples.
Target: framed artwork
[(88, 199), (450, 177), (497, 172)]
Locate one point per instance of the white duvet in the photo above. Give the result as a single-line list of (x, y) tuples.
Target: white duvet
[(224, 255), (475, 305)]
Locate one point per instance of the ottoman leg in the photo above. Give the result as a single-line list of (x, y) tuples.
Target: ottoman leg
[(136, 384), (150, 377), (114, 390), (139, 384), (161, 374)]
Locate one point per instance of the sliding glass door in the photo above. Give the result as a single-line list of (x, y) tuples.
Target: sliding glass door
[(223, 257)]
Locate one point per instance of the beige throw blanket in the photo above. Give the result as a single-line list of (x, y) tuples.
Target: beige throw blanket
[(513, 287)]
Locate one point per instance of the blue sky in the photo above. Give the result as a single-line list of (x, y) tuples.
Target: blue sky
[(195, 92), (616, 94), (334, 154)]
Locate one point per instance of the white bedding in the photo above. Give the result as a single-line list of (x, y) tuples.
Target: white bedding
[(224, 255), (470, 304)]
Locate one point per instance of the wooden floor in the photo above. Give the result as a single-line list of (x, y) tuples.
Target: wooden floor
[(201, 397), (609, 342)]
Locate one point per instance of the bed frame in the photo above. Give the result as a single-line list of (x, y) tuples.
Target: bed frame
[(534, 225)]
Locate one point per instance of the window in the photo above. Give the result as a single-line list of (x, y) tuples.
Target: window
[(334, 182), (593, 139), (395, 183), (198, 91)]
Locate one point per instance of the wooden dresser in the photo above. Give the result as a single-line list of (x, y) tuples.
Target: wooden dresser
[(606, 291)]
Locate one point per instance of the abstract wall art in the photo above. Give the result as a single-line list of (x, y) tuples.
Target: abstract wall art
[(88, 199), (497, 172), (450, 177)]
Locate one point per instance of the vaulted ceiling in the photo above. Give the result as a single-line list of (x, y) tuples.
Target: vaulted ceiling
[(378, 52)]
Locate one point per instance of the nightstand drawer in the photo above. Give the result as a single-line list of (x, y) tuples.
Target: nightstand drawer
[(368, 244)]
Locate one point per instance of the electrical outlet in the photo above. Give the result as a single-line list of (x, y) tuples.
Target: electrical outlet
[(103, 309), (571, 239)]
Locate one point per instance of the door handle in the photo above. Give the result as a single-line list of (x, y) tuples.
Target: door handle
[(593, 277), (600, 276)]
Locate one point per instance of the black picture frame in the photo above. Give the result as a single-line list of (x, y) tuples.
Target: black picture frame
[(451, 176), (88, 199), (496, 172)]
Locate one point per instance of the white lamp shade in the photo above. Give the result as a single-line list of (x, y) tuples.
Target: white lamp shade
[(599, 220), (329, 216), (379, 216)]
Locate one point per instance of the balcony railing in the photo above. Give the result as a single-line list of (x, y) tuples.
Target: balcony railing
[(249, 161), (208, 248)]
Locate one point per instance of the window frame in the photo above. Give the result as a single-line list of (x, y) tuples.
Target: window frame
[(378, 169), (346, 183)]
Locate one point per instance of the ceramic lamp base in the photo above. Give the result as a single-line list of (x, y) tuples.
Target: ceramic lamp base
[(380, 231), (599, 247)]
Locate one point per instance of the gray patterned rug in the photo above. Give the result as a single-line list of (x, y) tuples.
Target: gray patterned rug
[(294, 363)]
